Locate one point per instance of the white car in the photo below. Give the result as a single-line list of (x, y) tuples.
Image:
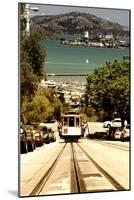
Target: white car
[(117, 134), (106, 124), (114, 123), (125, 135)]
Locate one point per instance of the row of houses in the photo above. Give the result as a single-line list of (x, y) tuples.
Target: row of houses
[(72, 93)]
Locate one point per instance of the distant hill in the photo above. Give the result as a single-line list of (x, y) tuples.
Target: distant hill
[(77, 23)]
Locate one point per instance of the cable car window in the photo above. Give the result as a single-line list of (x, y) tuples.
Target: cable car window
[(77, 122), (65, 121), (71, 121)]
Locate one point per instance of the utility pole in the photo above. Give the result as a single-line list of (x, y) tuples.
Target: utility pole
[(25, 17)]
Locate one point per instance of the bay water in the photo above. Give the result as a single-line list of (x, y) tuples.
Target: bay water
[(65, 59)]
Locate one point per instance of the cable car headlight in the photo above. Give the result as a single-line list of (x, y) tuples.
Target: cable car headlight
[(65, 131)]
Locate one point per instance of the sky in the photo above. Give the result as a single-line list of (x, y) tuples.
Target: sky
[(120, 16)]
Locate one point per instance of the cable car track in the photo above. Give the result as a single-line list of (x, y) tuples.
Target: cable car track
[(121, 147), (45, 177), (85, 175), (116, 146), (82, 185)]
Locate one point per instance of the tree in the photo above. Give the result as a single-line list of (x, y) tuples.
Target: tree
[(42, 106), (37, 110), (35, 49), (108, 89), (36, 104), (56, 104), (28, 80), (57, 109), (32, 57)]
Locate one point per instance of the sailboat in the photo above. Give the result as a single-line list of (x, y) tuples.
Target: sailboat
[(86, 60)]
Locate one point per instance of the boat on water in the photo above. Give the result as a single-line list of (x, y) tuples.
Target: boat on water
[(87, 61)]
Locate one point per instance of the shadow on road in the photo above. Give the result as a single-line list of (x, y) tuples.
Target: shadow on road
[(69, 141)]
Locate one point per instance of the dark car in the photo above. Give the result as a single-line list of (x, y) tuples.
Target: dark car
[(52, 137), (49, 136), (46, 138), (23, 141), (45, 134)]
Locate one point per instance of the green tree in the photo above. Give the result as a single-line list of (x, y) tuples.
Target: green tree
[(36, 104), (57, 108), (37, 110), (35, 50), (56, 104), (41, 107), (28, 80), (32, 57), (108, 89)]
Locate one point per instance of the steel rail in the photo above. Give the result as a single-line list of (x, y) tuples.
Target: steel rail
[(80, 183), (114, 146), (37, 189), (115, 183)]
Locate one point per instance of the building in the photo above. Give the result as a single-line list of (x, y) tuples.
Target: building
[(86, 35), (109, 37), (48, 84)]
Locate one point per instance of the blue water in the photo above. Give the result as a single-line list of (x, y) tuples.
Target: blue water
[(72, 59)]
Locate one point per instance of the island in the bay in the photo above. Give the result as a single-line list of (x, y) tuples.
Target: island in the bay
[(89, 30)]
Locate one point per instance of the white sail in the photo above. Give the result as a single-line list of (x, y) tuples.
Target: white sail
[(86, 60)]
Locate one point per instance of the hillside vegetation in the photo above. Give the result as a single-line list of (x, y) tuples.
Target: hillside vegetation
[(76, 22)]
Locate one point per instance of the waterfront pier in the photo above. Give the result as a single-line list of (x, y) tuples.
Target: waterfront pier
[(66, 74)]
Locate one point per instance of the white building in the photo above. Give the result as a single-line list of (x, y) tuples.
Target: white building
[(109, 37), (48, 84), (86, 34)]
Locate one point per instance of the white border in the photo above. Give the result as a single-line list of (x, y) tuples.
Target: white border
[(9, 96)]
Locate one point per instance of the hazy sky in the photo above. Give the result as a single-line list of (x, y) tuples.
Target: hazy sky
[(120, 16)]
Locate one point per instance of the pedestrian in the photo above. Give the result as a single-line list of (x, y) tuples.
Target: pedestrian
[(59, 128)]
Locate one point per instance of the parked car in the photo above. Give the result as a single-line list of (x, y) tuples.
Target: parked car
[(30, 137), (50, 124), (117, 134), (46, 138), (114, 123), (125, 134), (23, 141), (38, 138), (49, 136), (52, 137), (44, 131)]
